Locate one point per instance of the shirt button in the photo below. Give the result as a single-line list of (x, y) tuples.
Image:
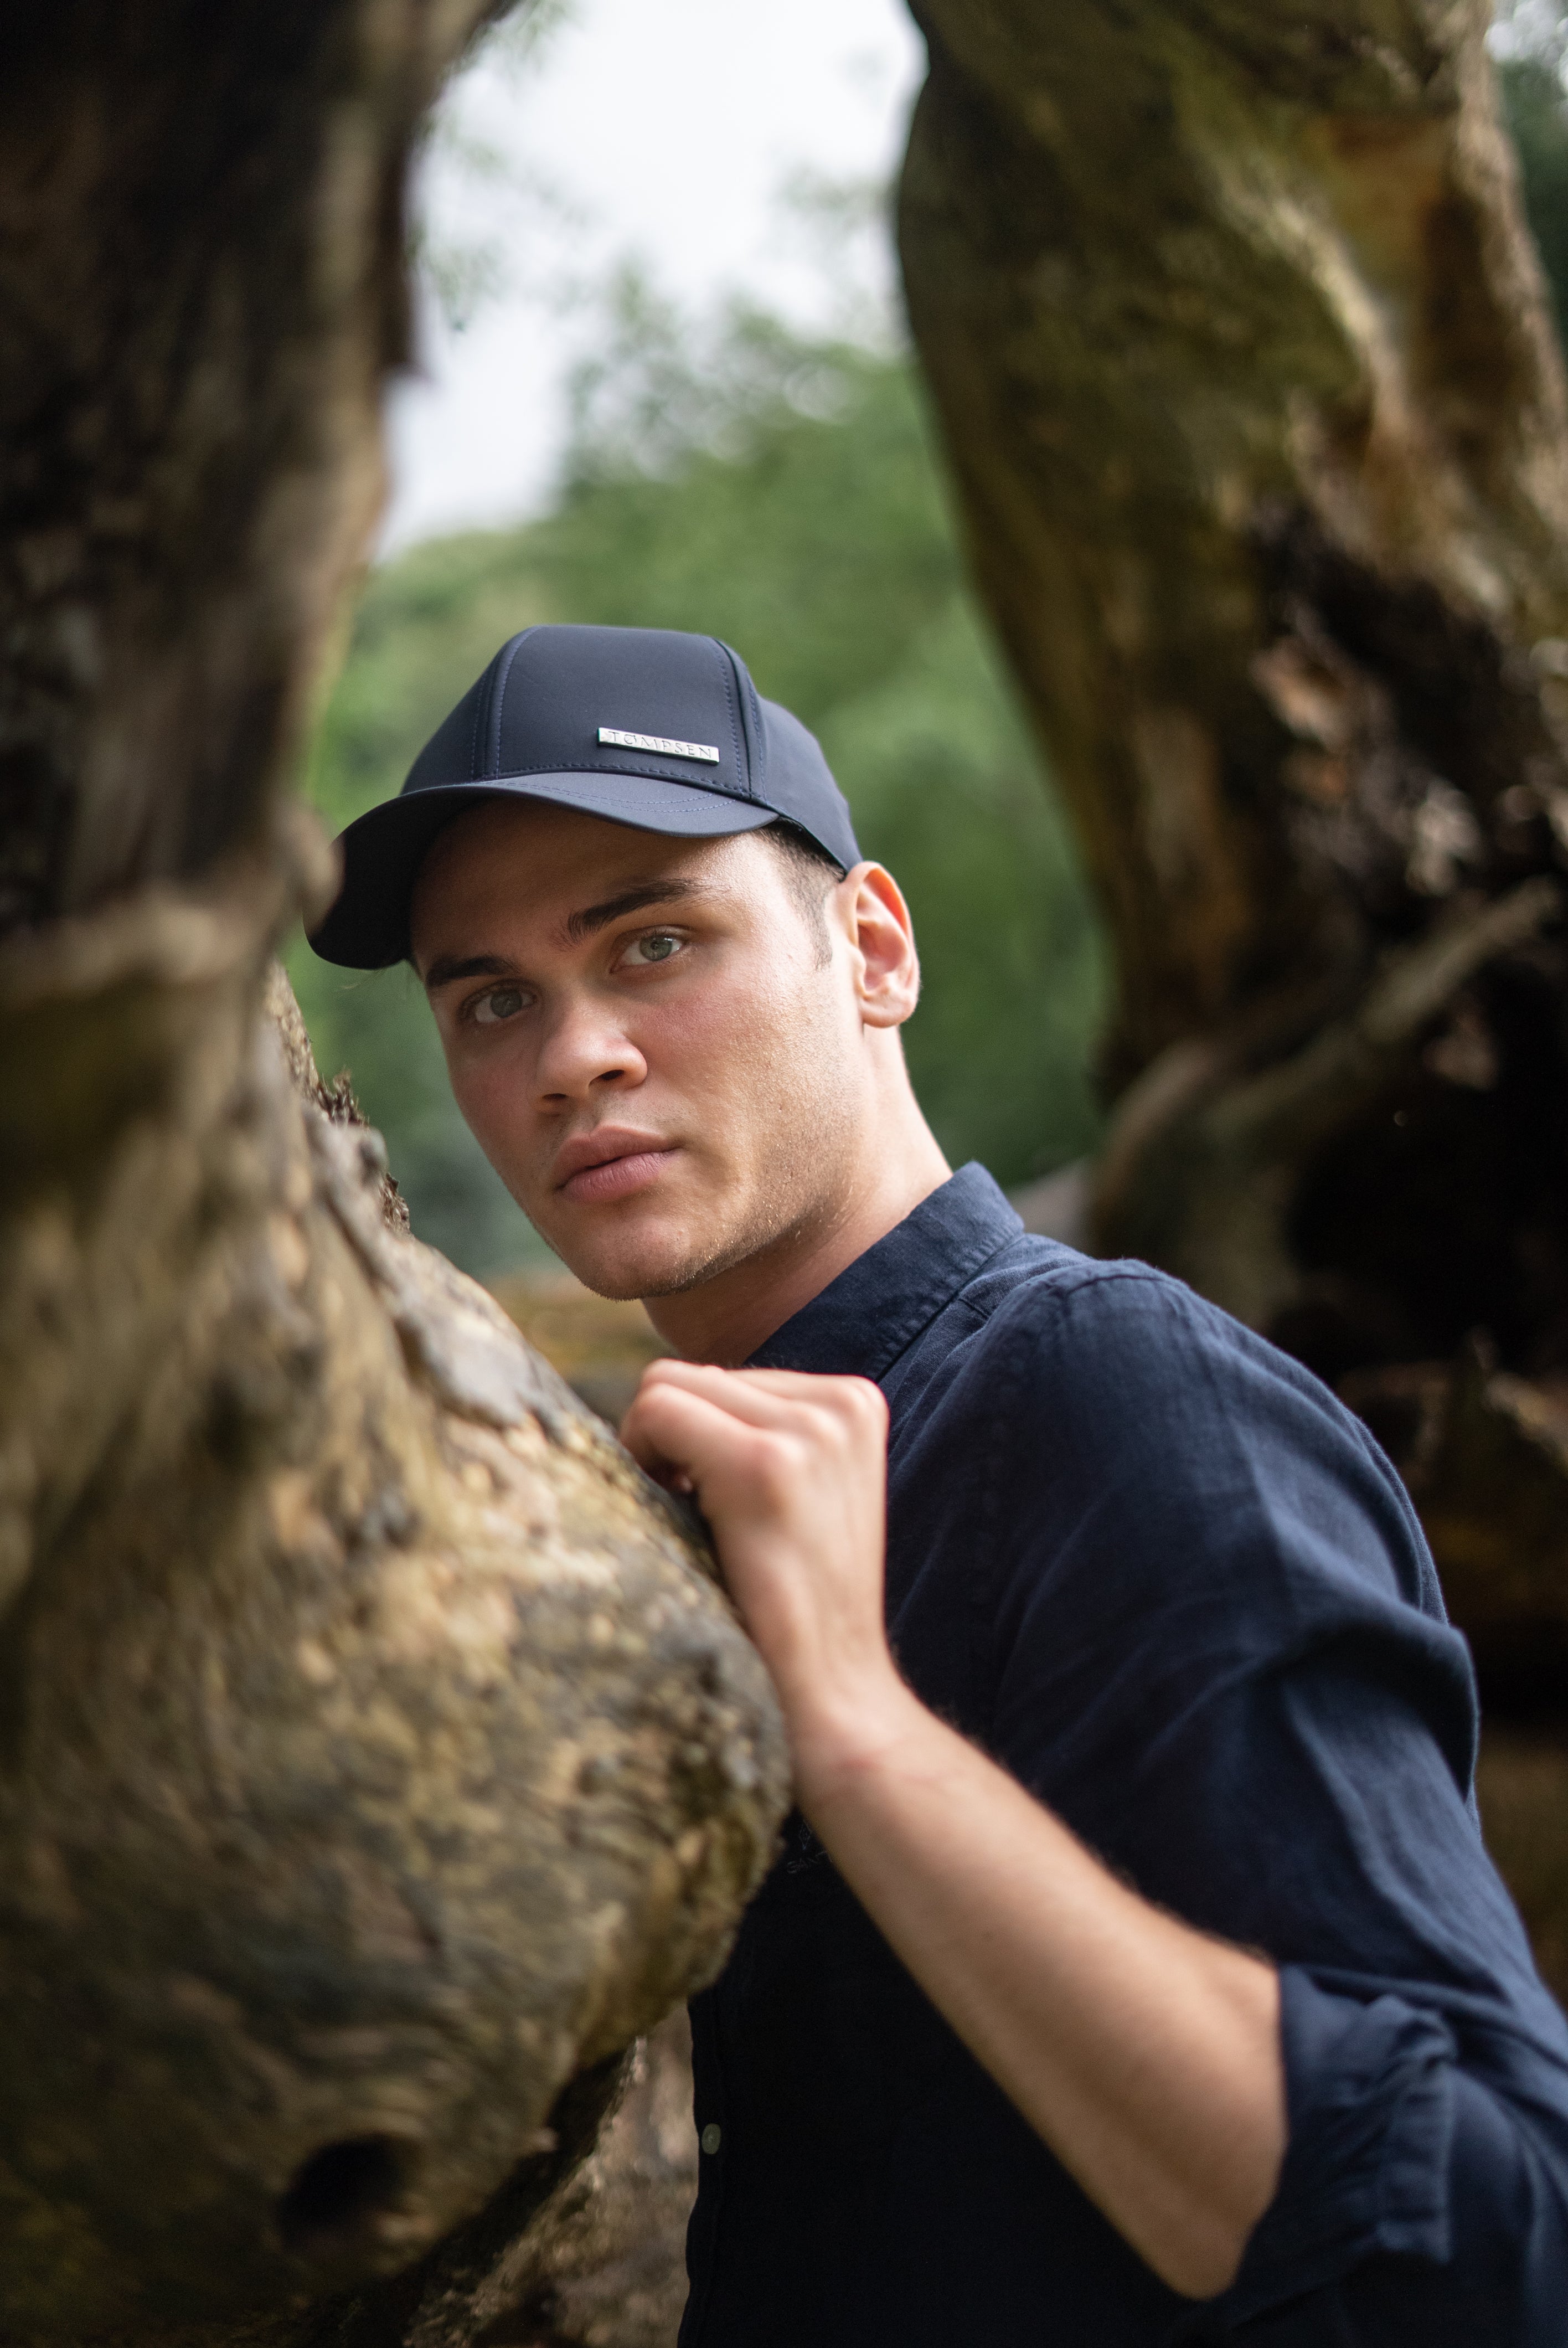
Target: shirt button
[(712, 2136)]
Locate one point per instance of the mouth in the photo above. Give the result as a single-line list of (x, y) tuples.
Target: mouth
[(612, 1165)]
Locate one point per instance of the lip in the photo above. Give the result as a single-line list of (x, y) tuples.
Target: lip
[(610, 1163)]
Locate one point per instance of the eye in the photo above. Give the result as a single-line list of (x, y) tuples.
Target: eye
[(657, 948), (502, 1002)]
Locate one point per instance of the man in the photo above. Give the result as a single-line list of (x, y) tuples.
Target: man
[(1134, 1970)]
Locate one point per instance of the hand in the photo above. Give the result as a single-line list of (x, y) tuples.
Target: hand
[(791, 1473), (1146, 2055)]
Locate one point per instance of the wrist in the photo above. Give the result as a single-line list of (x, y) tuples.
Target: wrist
[(842, 1738)]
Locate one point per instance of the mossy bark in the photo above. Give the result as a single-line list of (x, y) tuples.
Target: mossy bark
[(1255, 413), (377, 1755)]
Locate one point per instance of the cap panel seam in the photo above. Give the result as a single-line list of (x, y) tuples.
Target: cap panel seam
[(755, 739), (497, 702), (726, 669), (759, 730)]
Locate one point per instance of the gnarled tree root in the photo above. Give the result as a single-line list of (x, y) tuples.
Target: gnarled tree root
[(377, 1756)]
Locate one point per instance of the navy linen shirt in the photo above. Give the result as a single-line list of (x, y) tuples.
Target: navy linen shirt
[(1155, 1569)]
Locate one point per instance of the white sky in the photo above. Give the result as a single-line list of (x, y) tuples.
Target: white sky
[(660, 131)]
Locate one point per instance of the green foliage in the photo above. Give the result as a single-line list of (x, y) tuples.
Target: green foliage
[(425, 626), (1533, 103), (781, 494)]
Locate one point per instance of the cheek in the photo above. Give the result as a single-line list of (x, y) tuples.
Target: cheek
[(745, 1056), (490, 1088), (713, 1042)]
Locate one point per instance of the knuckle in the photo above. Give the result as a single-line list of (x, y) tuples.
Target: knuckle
[(865, 1408), (775, 1464)]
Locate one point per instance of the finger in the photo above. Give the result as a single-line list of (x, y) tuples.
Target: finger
[(787, 1401), (803, 1383), (730, 1390), (807, 1382), (633, 1437), (669, 1427), (859, 1398)]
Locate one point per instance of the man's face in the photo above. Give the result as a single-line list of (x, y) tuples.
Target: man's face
[(645, 1036)]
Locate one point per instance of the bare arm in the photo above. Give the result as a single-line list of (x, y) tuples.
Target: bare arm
[(1145, 2054)]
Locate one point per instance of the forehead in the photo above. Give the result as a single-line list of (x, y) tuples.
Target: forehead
[(519, 865)]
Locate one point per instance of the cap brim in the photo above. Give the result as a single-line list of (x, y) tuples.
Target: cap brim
[(367, 926)]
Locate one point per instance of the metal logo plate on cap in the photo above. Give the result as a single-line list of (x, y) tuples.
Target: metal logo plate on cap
[(707, 751)]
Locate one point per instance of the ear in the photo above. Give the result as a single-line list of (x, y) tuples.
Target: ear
[(870, 909)]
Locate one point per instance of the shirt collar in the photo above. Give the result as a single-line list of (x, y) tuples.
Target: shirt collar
[(862, 1321)]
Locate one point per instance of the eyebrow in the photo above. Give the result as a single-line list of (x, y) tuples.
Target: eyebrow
[(630, 900), (447, 969)]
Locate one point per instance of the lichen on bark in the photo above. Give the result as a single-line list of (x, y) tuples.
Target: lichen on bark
[(378, 1756), (1250, 389), (1245, 370)]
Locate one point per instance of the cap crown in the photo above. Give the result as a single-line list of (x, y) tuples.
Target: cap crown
[(645, 726), (541, 705)]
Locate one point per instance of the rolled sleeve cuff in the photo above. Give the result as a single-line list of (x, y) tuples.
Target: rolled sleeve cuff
[(1369, 2093)]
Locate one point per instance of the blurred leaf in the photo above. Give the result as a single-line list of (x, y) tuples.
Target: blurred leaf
[(1534, 102), (478, 205)]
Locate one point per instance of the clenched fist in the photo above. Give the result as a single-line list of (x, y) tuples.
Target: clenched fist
[(791, 1472)]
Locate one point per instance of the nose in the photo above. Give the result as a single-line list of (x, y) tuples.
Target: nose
[(585, 1052)]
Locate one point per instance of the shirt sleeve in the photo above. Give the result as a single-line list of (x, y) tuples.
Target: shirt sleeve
[(1220, 1656)]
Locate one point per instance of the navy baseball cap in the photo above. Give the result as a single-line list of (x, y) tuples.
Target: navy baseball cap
[(642, 725)]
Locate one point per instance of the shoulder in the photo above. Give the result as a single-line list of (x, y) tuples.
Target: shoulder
[(1054, 1315), (1081, 1332), (1114, 1388)]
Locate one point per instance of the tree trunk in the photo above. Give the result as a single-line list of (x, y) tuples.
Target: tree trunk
[(1257, 417), (377, 1756)]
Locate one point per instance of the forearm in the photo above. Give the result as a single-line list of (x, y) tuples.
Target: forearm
[(1146, 2055), (1425, 2194)]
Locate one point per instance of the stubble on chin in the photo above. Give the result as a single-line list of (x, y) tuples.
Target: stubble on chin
[(801, 1193), (787, 1145), (672, 1268)]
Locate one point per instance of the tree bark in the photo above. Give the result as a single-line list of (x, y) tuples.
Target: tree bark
[(377, 1756), (1257, 417), (1258, 420)]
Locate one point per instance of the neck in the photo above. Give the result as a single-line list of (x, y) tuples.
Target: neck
[(728, 1317)]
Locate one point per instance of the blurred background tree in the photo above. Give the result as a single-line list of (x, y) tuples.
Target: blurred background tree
[(255, 1454), (732, 474), (726, 470)]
